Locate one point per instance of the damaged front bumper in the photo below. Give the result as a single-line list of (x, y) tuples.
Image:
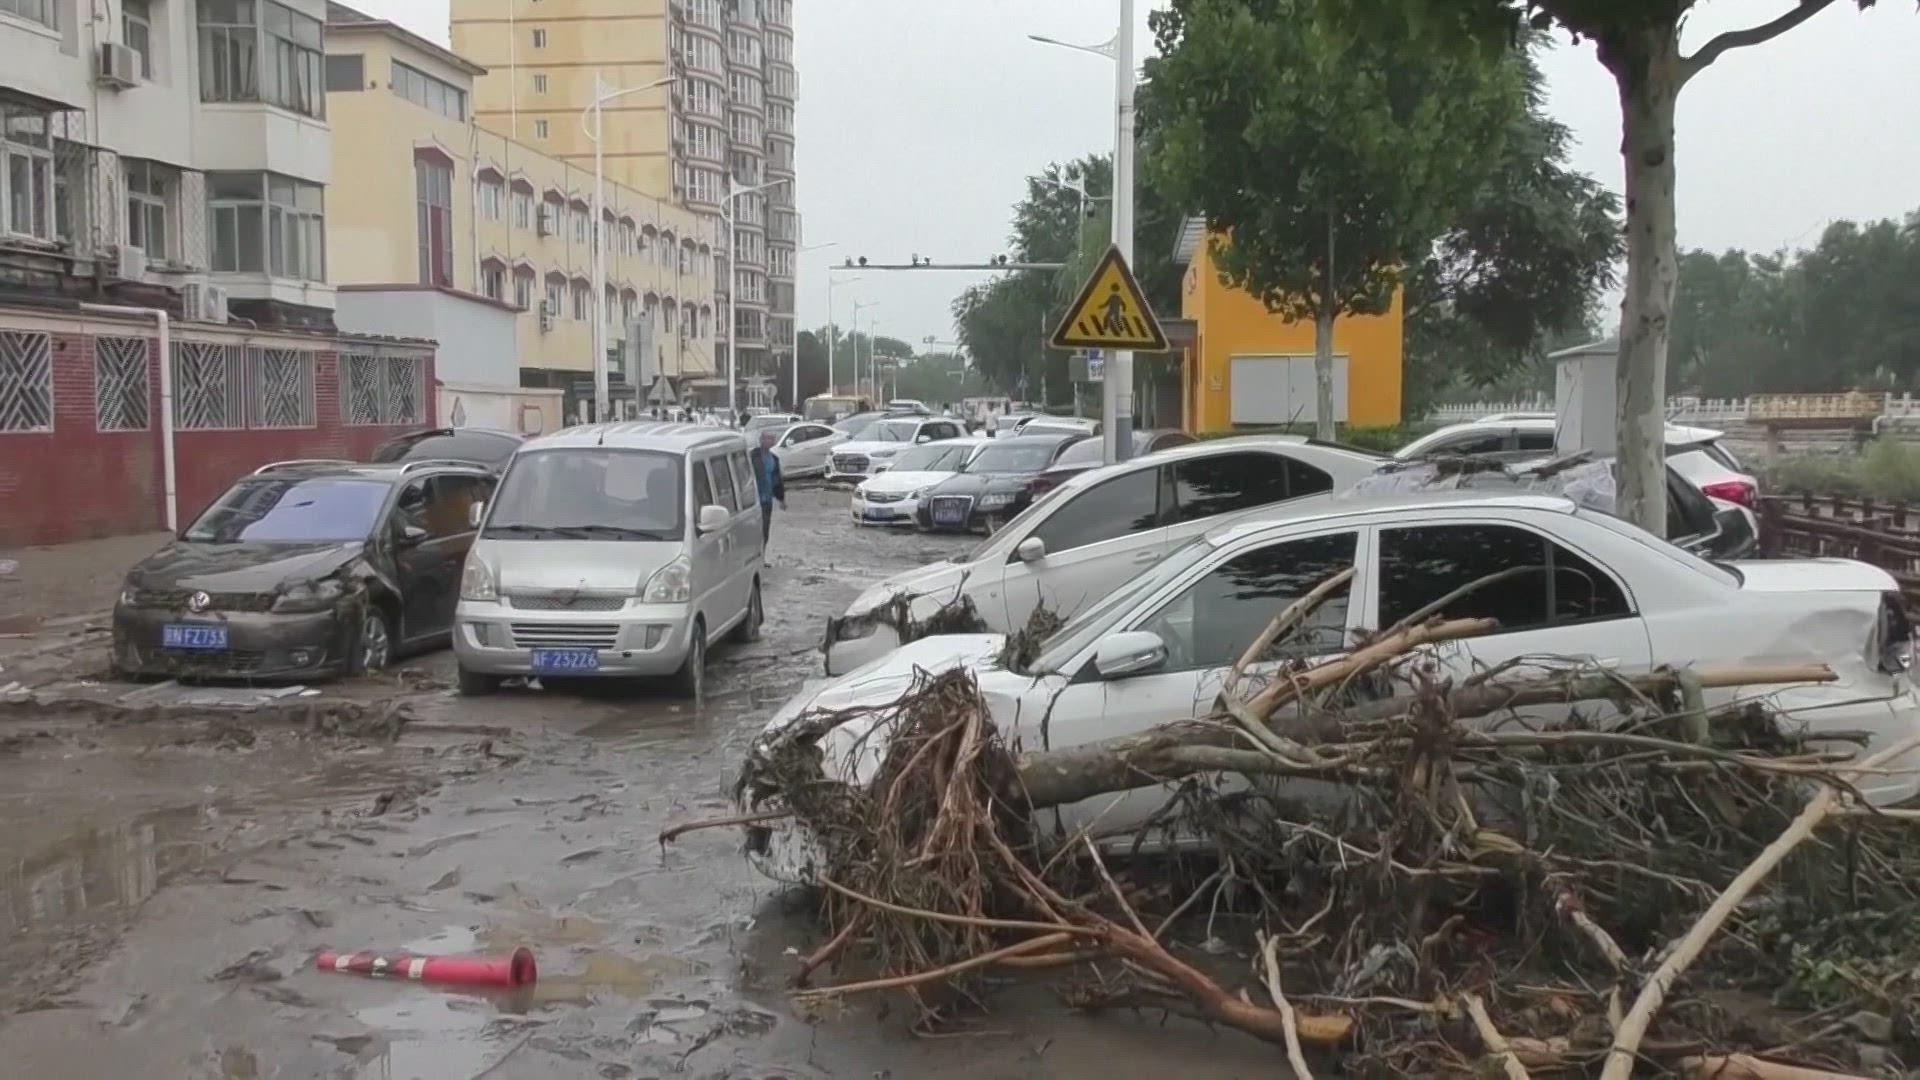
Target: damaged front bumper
[(259, 644), (856, 640)]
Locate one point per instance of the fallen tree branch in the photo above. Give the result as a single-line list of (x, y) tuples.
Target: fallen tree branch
[(1748, 1067), (1270, 953), (1360, 661), (945, 971), (674, 832), (1496, 1043), (1285, 623)]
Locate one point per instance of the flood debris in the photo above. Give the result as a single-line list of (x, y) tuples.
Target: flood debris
[(1551, 868)]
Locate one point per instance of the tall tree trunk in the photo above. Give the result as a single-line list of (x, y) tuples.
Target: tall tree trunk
[(1323, 346), (1646, 66)]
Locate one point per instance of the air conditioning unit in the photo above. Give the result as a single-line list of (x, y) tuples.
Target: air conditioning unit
[(200, 302), (119, 66), (546, 317), (547, 226), (130, 263)]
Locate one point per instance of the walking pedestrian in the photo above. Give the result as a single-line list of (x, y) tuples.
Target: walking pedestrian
[(766, 475)]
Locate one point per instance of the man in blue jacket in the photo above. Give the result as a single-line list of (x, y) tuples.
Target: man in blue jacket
[(766, 475)]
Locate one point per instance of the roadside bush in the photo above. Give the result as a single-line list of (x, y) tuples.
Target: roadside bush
[(1886, 470)]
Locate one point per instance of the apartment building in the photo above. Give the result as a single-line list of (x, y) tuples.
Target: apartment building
[(171, 156), (724, 127), (447, 229)]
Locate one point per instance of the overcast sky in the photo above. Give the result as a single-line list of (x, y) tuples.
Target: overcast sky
[(918, 121)]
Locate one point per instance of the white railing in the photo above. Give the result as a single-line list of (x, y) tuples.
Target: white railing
[(1685, 409)]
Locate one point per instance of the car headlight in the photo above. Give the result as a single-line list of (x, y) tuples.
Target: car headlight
[(309, 596), (130, 596), (861, 491), (918, 494), (993, 499), (671, 584), (885, 452), (476, 582)]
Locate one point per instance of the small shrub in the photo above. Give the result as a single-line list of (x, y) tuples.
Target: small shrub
[(1886, 470)]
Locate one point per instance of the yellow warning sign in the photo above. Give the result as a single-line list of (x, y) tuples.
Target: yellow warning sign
[(1110, 313)]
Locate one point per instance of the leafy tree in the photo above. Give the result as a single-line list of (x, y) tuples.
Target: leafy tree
[(1639, 44), (1325, 159)]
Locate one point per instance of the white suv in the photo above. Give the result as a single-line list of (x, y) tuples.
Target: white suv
[(1694, 452), (875, 447)]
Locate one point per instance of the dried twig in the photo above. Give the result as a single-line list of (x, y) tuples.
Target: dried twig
[(1284, 623), (1270, 953), (1496, 1043)]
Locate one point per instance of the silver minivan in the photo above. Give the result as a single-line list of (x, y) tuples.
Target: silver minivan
[(620, 549)]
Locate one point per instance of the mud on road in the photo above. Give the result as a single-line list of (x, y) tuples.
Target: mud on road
[(166, 878)]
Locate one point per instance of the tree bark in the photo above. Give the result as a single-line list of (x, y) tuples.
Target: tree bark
[(1323, 347), (1648, 71)]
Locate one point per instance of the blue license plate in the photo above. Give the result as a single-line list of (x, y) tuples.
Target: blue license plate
[(950, 515), (879, 515), (196, 636), (563, 660)]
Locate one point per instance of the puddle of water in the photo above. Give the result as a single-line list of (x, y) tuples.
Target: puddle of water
[(93, 868), (430, 1035)]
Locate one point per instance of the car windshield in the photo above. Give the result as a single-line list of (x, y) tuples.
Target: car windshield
[(1084, 452), (283, 510), (858, 423), (1011, 459), (892, 431), (759, 422), (590, 493), (1096, 622), (934, 457)]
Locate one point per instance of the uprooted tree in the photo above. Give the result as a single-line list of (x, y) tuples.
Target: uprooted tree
[(1550, 866)]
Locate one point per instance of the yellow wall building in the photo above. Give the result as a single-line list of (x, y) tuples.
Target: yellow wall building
[(1249, 367), (425, 199)]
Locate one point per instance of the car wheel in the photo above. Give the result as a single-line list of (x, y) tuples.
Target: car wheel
[(373, 649), (747, 630), (691, 679), (474, 684)]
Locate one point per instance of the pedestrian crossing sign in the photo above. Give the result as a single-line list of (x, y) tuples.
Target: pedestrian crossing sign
[(1110, 313)]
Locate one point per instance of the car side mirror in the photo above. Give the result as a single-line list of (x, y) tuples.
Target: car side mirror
[(412, 535), (714, 518), (1137, 652), (475, 511), (923, 438), (1032, 549)]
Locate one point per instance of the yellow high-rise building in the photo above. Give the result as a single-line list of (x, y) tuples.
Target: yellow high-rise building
[(725, 125)]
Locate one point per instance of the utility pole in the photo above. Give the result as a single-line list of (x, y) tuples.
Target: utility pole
[(1118, 384)]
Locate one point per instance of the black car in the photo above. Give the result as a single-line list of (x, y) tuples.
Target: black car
[(305, 569), (480, 446), (991, 488)]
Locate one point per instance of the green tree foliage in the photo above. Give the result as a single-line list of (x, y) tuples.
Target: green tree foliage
[(1843, 315), (1326, 159)]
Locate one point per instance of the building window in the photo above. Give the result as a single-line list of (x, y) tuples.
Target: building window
[(136, 32), (556, 296), (522, 208), (44, 12), (539, 84), (259, 50), (493, 281), (26, 380), (428, 92), (539, 39), (26, 182), (628, 300), (582, 301), (539, 129), (523, 288), (120, 398), (579, 216), (263, 221), (346, 73), (282, 381), (207, 386), (666, 249), (493, 197), (151, 191), (433, 216), (385, 390)]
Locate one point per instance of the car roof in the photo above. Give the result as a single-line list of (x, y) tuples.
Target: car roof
[(384, 471), (1047, 439), (1316, 511), (640, 435), (1677, 434)]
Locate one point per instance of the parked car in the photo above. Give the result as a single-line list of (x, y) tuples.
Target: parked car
[(1099, 529), (1703, 456), (1704, 526), (855, 424), (1006, 425), (1160, 646), (876, 444), (1059, 425), (613, 550), (480, 446), (304, 570), (777, 421), (1091, 454), (994, 487), (892, 496), (803, 449), (909, 405)]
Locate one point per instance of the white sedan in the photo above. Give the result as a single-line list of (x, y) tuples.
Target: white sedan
[(1097, 530), (892, 497), (1158, 648), (881, 440), (805, 449)]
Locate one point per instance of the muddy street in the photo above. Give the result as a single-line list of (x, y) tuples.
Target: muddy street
[(167, 875)]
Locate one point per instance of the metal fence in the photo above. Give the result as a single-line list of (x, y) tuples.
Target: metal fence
[(1849, 407), (1885, 535)]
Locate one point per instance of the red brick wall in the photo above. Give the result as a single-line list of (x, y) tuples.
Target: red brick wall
[(77, 483)]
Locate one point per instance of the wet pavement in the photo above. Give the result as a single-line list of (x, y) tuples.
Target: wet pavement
[(165, 881)]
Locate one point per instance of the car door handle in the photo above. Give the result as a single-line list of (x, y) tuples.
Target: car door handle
[(1146, 557)]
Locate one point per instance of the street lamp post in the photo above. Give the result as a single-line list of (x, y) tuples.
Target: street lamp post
[(795, 328), (733, 293), (833, 330), (857, 305), (1117, 386), (602, 95)]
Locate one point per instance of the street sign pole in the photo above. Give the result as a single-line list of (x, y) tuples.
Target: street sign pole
[(1117, 389)]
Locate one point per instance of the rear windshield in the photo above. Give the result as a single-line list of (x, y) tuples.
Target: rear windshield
[(287, 511), (892, 431), (858, 423), (934, 457), (1719, 572), (590, 494), (1001, 458)]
